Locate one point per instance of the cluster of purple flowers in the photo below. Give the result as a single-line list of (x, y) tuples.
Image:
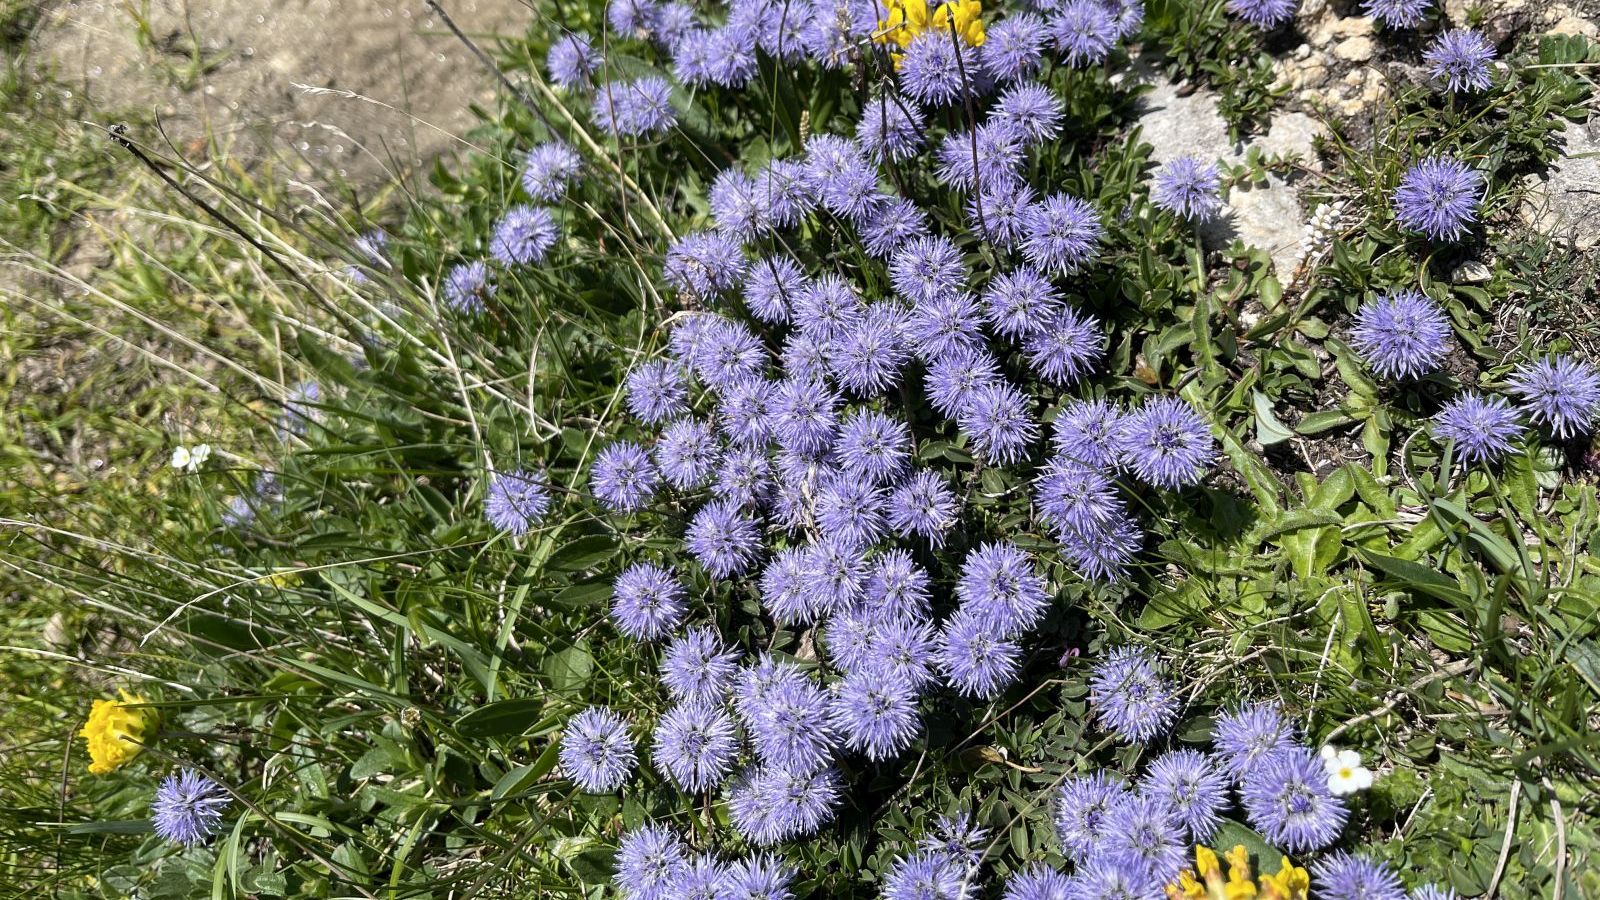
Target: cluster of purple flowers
[(1560, 393), (653, 863)]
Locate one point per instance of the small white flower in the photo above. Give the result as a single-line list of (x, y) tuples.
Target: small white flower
[(1346, 774), (190, 460)]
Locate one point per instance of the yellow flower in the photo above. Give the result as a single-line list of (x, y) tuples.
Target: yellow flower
[(968, 17), (909, 18), (116, 732), (1290, 883)]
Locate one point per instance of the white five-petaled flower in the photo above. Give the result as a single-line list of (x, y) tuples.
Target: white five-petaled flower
[(1346, 774), (190, 459)]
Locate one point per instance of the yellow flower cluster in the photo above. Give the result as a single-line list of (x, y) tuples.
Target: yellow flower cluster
[(1291, 882), (117, 732), (909, 18)]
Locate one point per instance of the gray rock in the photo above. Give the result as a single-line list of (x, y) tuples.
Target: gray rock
[(1567, 204), (1266, 216)]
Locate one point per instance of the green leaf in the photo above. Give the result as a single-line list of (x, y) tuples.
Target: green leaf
[(1417, 577), (500, 718), (128, 826), (1269, 429), (1262, 854), (1324, 420), (584, 553), (578, 596)]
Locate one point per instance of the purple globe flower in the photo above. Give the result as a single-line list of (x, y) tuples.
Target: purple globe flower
[(650, 862), (729, 353), (759, 877), (996, 417), (873, 446), (1344, 876), (686, 453), (1127, 14), (999, 585), (516, 501), (648, 602), (926, 268), (724, 538), (549, 169), (870, 354), (846, 181), (740, 212), (1401, 335), (829, 307), (755, 680), (1089, 432), (1263, 13), (785, 592), (695, 746), (1288, 801), (897, 587), (1129, 696), (785, 187), (942, 325), (704, 264), (468, 287), (596, 752), (1019, 303), (524, 236), (1000, 213), (989, 158), (1438, 197), (1076, 499), (623, 477), (1084, 32), (892, 226), (1397, 13), (1065, 347), (637, 108), (835, 572), (903, 648), (1063, 233), (848, 636), (1013, 48), (693, 57), (742, 414), (1038, 882), (790, 727), (876, 713), (656, 391), (187, 808), (1166, 444), (957, 838), (1082, 808), (1035, 110), (698, 667), (1459, 59), (744, 477), (806, 357), (689, 336), (1483, 429), (632, 18), (804, 416), (931, 72), (771, 804), (924, 506), (1102, 552), (1143, 834), (1434, 892), (571, 61), (851, 510), (955, 378), (701, 880), (976, 660), (891, 128), (1102, 879), (775, 282), (927, 875), (1561, 393), (1251, 736), (1188, 188), (1189, 784)]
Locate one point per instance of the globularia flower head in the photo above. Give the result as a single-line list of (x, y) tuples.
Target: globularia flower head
[(976, 659), (989, 158), (945, 323), (1084, 32), (516, 501), (891, 226), (1188, 188), (891, 127), (925, 268), (1013, 48), (187, 808), (851, 510), (775, 282), (1143, 834), (772, 804), (549, 170), (999, 584), (999, 213), (656, 391), (804, 416), (650, 861), (784, 185), (723, 538), (632, 18), (870, 354), (1038, 882), (1065, 347), (635, 108), (1459, 59), (1483, 429), (698, 667), (737, 208), (704, 264), (1076, 498), (1020, 302), (1063, 233), (1263, 13), (623, 477), (468, 287), (1034, 109), (742, 413), (996, 416), (924, 506), (930, 71), (790, 726), (955, 377), (876, 713), (1401, 335), (571, 60), (897, 587), (596, 752), (1287, 799), (693, 57), (1166, 444), (1561, 393), (648, 602), (1082, 807), (1129, 696), (730, 352), (1397, 13), (1434, 892), (848, 636), (744, 477), (759, 877), (1188, 783), (835, 571), (785, 592), (1438, 197), (1344, 876), (524, 236), (1089, 432), (829, 307), (1102, 879), (695, 746), (686, 453), (701, 880), (873, 446), (689, 333), (846, 181), (1247, 738), (1102, 552), (903, 647)]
